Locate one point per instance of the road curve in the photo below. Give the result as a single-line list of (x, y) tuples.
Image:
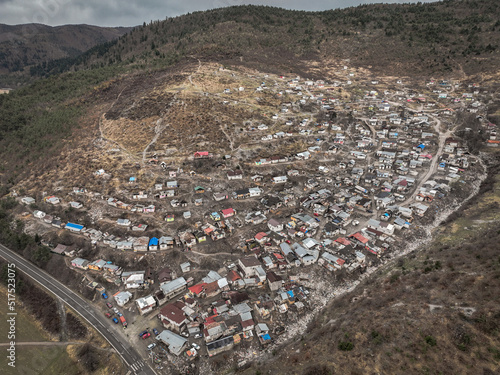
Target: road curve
[(95, 318)]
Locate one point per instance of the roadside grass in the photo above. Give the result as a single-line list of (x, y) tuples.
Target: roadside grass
[(42, 360), (27, 329)]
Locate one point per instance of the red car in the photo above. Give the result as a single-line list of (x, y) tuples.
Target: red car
[(109, 305), (146, 335), (288, 242), (108, 315)]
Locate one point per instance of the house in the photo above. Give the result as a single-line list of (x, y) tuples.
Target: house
[(236, 174), (122, 298), (275, 225), (141, 243), (28, 200), (134, 280), (228, 212), (52, 200), (123, 222), (274, 281), (175, 343), (254, 192), (173, 287), (96, 265), (202, 155), (279, 179), (153, 244), (80, 263), (166, 243), (220, 196), (248, 265), (166, 275), (185, 267), (172, 316), (219, 346), (145, 304), (61, 250)]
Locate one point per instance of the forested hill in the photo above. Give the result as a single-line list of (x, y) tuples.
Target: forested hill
[(446, 36), (31, 44)]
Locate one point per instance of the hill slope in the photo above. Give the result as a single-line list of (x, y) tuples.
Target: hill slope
[(449, 36), (32, 44)]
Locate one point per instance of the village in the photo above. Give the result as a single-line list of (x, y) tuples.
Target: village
[(236, 242)]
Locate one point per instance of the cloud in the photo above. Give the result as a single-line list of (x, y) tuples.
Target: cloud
[(135, 12)]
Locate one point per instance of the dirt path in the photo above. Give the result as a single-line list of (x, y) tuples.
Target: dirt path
[(434, 163), (159, 128), (43, 343), (211, 254), (62, 314)]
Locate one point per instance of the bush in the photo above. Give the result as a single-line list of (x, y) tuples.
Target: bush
[(346, 346), (431, 341)]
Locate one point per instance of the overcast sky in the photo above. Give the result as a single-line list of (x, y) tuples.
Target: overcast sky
[(135, 12)]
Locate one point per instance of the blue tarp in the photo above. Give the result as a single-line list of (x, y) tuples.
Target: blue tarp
[(290, 293), (266, 337), (422, 146), (153, 241), (74, 226)]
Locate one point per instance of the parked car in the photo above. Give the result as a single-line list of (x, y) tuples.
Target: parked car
[(185, 334), (110, 306), (115, 320), (268, 244), (105, 296), (108, 315), (120, 314), (195, 345), (152, 346), (115, 310), (198, 336), (155, 331), (143, 333), (145, 336), (288, 242)]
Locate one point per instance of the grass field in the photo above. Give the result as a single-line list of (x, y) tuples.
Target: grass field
[(26, 328), (40, 360)]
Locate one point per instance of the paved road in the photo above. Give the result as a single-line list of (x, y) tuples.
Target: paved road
[(129, 355)]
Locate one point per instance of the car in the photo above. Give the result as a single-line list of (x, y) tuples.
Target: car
[(195, 345), (108, 315), (115, 320), (369, 211), (115, 310), (120, 314), (143, 333), (152, 346), (317, 219), (288, 242), (110, 306), (105, 296), (185, 334), (145, 336), (155, 331), (316, 214), (268, 244), (198, 336), (355, 222)]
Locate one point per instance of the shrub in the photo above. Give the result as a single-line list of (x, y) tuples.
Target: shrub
[(431, 341), (346, 346)]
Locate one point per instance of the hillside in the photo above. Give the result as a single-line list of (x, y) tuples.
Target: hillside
[(22, 46), (460, 36)]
